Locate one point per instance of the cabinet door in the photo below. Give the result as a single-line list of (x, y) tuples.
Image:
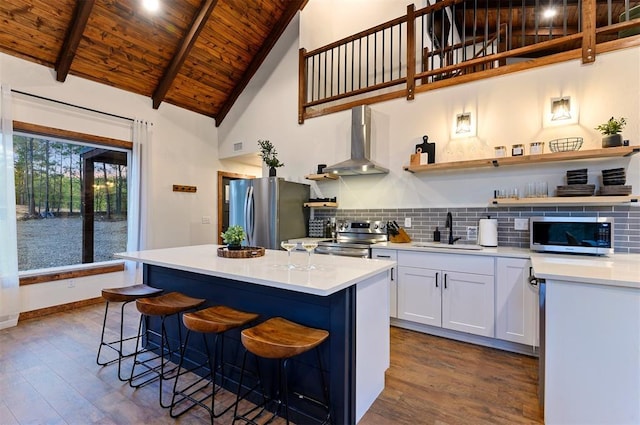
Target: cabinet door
[(419, 298), (516, 302), (390, 254), (468, 303)]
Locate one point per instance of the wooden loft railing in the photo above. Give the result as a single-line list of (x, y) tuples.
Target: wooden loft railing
[(457, 41)]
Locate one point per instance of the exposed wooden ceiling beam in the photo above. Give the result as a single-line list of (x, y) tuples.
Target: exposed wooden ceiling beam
[(292, 8), (183, 51), (70, 45)]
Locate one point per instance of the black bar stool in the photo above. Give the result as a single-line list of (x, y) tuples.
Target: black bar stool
[(217, 321), (162, 306), (125, 295), (280, 339)]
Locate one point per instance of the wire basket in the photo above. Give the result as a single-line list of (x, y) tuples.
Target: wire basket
[(565, 145)]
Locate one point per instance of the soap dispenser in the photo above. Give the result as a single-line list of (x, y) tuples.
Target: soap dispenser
[(436, 235)]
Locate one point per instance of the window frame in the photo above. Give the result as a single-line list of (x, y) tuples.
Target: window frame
[(28, 277)]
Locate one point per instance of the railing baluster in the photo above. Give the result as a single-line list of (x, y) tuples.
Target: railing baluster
[(475, 21), (536, 21), (352, 67), (345, 67), (486, 26), (564, 18), (579, 16), (367, 61), (375, 58), (524, 20)]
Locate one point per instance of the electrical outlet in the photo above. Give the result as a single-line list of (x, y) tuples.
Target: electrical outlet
[(407, 222), (206, 219), (472, 233), (71, 283), (520, 224)]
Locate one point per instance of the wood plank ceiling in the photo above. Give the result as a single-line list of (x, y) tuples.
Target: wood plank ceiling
[(196, 54)]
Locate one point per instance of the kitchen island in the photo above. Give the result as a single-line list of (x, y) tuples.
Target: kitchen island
[(592, 352), (349, 297)]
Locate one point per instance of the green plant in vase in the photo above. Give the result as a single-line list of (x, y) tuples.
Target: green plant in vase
[(611, 132), (269, 156), (233, 237)]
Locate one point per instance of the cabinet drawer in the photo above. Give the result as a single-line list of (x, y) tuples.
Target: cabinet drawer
[(458, 262), (384, 254)]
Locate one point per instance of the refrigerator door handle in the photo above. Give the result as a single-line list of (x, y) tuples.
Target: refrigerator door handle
[(248, 216)]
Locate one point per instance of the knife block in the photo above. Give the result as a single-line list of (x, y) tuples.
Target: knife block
[(401, 237)]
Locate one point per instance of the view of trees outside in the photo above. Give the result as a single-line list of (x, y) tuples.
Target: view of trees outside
[(48, 183)]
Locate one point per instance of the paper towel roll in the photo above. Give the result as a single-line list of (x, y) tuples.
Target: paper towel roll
[(488, 232)]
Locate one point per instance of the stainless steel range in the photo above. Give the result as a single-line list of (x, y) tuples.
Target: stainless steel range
[(354, 238)]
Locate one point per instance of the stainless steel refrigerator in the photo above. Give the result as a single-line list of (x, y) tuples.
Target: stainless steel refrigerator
[(269, 209)]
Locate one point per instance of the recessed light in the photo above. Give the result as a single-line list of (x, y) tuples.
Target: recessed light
[(151, 5)]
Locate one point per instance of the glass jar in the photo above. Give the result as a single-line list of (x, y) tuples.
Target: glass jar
[(536, 148), (517, 150)]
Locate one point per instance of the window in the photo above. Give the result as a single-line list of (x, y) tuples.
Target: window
[(71, 201)]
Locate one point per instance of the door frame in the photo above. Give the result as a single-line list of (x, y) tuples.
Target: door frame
[(221, 176)]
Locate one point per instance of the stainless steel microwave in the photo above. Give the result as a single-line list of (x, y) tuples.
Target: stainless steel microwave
[(577, 235)]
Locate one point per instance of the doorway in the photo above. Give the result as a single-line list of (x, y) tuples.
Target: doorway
[(224, 178)]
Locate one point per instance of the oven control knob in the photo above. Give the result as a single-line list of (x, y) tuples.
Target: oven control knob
[(375, 227)]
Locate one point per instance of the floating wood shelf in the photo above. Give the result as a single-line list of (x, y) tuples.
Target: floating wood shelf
[(620, 151), (567, 201), (323, 176), (321, 204)]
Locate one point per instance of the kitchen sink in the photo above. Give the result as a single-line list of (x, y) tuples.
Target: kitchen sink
[(441, 245)]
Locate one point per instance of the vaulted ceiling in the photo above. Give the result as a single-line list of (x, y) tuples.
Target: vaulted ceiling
[(195, 54)]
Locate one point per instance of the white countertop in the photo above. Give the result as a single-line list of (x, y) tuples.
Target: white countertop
[(457, 249), (615, 270), (332, 273)]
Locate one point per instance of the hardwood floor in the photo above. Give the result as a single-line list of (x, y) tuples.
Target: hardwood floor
[(48, 375)]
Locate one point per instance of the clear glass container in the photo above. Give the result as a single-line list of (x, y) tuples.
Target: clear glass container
[(517, 150), (536, 148)]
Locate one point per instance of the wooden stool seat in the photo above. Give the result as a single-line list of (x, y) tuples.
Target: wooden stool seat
[(279, 338), (216, 319), (167, 304), (129, 293)]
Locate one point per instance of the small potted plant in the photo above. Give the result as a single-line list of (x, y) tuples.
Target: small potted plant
[(269, 156), (233, 237), (611, 132)]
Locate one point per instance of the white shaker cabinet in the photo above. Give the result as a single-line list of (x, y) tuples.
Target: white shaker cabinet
[(448, 290), (516, 302), (390, 254), (419, 295)]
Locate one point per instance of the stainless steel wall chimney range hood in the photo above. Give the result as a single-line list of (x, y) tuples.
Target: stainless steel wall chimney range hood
[(359, 163)]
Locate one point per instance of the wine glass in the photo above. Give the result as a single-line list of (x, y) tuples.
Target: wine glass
[(309, 247), (288, 246)]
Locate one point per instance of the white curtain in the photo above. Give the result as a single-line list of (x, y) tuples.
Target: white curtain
[(137, 198), (9, 282)]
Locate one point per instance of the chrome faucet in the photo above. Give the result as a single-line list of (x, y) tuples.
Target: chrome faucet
[(449, 225)]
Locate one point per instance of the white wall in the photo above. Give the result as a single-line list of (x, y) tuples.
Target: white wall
[(509, 109), (184, 150)]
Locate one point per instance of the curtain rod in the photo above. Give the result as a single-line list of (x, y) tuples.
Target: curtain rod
[(72, 105)]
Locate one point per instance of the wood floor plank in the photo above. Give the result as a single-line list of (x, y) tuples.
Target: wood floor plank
[(49, 362)]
